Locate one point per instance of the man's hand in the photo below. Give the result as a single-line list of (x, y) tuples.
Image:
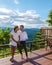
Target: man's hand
[(18, 42)]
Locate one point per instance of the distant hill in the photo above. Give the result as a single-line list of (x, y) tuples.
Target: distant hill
[(30, 31)]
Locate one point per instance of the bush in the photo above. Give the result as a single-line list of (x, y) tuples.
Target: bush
[(4, 35), (37, 45)]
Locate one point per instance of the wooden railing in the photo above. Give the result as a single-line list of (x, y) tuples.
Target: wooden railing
[(5, 46)]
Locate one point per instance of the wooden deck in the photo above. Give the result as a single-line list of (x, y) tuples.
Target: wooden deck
[(38, 57)]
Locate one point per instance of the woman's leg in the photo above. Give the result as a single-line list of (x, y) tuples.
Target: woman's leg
[(12, 52)]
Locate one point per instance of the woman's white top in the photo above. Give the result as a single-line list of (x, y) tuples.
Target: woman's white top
[(23, 35), (15, 36)]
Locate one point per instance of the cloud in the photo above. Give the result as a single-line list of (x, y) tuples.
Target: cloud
[(5, 11), (28, 18), (3, 16), (16, 1)]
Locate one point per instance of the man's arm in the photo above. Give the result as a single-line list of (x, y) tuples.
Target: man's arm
[(26, 36), (19, 36), (19, 39)]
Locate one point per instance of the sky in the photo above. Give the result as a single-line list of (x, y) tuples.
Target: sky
[(30, 13)]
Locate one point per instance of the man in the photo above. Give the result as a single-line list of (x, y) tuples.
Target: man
[(23, 37)]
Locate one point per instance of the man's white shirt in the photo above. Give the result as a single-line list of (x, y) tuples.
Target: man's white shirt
[(23, 35)]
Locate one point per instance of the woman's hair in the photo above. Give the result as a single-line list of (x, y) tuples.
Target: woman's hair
[(15, 27), (22, 26)]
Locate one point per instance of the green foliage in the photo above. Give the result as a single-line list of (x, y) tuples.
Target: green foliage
[(4, 35), (49, 20), (37, 45), (50, 14)]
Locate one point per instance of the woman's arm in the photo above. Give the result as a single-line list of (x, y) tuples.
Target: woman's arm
[(13, 39)]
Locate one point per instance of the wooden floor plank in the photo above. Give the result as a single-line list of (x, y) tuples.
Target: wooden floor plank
[(38, 57)]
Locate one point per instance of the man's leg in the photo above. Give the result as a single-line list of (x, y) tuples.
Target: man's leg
[(20, 50), (25, 49)]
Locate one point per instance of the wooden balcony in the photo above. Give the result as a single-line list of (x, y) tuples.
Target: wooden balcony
[(38, 57)]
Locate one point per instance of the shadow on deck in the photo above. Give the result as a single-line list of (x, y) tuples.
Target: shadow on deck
[(38, 57)]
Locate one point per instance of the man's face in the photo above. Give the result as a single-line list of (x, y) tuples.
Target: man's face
[(21, 28)]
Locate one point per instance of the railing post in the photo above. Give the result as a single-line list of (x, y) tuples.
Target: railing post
[(3, 51), (30, 46)]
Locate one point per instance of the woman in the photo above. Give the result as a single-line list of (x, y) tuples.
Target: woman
[(14, 41)]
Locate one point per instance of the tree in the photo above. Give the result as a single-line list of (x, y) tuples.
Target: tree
[(7, 35), (1, 35), (4, 35), (49, 20), (38, 36)]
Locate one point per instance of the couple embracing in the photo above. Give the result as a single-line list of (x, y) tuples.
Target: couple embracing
[(18, 39)]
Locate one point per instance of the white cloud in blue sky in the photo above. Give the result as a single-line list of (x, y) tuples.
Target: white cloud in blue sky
[(28, 18), (16, 1), (31, 13)]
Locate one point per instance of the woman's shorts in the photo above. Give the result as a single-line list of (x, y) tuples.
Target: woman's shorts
[(12, 43)]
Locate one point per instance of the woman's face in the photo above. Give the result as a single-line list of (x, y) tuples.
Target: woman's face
[(16, 30)]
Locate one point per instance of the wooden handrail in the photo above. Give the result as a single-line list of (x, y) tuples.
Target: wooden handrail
[(3, 47), (26, 42)]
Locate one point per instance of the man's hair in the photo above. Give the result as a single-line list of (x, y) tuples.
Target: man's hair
[(15, 27), (22, 26)]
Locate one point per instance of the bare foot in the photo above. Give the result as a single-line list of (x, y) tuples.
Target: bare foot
[(21, 56), (11, 59)]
